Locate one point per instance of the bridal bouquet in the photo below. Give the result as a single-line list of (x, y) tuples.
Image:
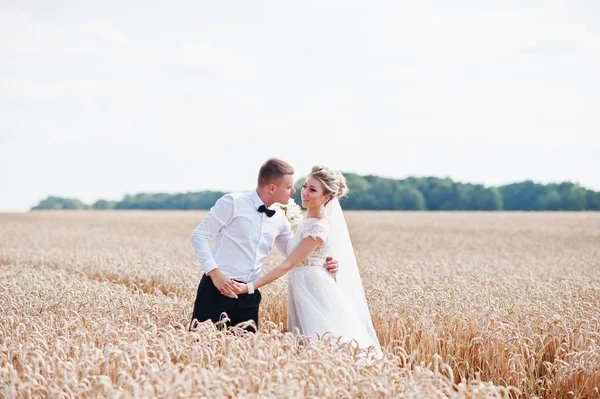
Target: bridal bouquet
[(293, 212)]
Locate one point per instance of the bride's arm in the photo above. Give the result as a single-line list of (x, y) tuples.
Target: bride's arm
[(304, 248)]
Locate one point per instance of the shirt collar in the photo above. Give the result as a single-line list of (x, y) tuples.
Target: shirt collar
[(256, 199), (258, 202)]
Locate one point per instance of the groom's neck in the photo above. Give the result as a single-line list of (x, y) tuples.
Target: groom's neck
[(264, 197)]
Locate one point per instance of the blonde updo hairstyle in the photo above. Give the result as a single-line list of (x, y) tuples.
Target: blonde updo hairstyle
[(334, 183)]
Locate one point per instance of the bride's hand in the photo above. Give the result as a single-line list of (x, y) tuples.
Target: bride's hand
[(241, 287)]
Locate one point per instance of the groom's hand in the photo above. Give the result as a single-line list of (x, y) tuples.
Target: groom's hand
[(241, 288), (223, 283), (331, 265)]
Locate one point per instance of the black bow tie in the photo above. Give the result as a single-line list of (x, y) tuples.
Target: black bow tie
[(264, 209)]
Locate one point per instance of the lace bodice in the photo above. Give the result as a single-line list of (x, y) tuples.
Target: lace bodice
[(312, 228)]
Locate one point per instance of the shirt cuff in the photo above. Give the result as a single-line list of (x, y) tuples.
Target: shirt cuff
[(209, 266)]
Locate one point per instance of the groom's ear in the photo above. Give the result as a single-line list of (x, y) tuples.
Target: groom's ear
[(271, 188)]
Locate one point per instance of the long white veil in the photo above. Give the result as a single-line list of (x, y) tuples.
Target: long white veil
[(348, 276)]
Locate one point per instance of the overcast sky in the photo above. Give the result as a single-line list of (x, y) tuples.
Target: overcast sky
[(99, 99)]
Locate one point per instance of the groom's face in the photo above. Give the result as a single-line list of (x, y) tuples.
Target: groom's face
[(284, 189)]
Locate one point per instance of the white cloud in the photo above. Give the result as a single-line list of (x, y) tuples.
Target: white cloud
[(161, 100), (89, 62)]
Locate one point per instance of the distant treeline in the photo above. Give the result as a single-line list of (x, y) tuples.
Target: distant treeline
[(377, 193)]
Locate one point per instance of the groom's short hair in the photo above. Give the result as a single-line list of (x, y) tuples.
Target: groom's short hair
[(273, 170)]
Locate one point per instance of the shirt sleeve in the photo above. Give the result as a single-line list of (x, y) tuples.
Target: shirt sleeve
[(219, 217), (284, 237)]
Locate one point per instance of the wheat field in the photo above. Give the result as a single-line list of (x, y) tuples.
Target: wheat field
[(466, 305)]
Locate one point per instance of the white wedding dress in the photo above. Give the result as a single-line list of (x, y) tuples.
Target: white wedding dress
[(316, 303)]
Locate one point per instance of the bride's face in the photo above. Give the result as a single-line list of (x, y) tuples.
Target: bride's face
[(312, 193)]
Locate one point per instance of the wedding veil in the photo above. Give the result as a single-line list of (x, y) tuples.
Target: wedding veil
[(348, 276)]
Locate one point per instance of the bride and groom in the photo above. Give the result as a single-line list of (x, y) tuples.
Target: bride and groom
[(325, 292)]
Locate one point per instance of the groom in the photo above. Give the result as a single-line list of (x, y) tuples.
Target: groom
[(246, 226)]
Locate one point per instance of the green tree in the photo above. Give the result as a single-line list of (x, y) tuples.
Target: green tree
[(103, 204), (53, 202), (377, 193), (592, 200), (572, 197)]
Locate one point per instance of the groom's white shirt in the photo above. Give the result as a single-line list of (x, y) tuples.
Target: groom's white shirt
[(244, 236)]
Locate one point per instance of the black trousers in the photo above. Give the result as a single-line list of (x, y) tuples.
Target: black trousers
[(210, 304)]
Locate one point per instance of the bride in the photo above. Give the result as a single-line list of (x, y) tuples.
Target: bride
[(318, 303)]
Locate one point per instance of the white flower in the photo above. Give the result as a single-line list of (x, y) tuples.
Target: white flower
[(293, 212)]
